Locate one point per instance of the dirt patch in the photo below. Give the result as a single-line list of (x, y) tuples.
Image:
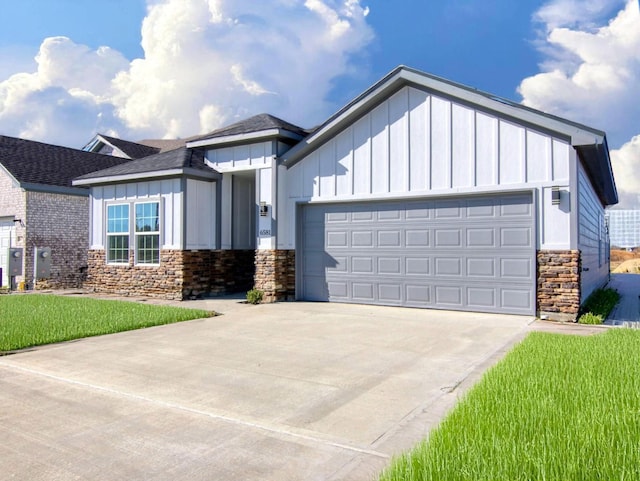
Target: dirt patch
[(632, 266), (618, 257)]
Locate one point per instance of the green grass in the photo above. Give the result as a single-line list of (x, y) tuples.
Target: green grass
[(556, 408), (598, 306), (32, 320)]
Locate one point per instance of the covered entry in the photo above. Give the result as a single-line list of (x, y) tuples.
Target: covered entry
[(473, 253)]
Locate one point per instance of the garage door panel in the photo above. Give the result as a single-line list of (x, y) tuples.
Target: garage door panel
[(515, 237), (362, 239), (481, 297), (461, 254)]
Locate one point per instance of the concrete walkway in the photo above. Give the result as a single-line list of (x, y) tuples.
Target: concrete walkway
[(627, 312)]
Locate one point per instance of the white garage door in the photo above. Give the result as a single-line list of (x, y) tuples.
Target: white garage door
[(5, 239), (471, 253)]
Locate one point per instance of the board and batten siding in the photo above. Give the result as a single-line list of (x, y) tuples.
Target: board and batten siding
[(418, 144), (241, 157), (592, 238), (201, 214), (168, 190)]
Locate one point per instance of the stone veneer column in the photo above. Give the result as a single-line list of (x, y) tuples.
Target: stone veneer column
[(276, 274), (558, 293)]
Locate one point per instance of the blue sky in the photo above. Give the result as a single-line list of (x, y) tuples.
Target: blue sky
[(173, 68)]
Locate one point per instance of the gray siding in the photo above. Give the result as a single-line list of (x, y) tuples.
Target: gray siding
[(592, 239)]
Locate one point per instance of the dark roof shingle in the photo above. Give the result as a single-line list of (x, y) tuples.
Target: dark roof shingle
[(132, 149), (257, 123), (181, 158), (31, 162)]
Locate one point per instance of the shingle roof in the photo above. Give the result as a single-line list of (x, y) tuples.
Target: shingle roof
[(181, 158), (257, 123), (31, 162), (133, 149), (164, 145)]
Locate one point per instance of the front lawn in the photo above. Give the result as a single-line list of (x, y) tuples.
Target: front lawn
[(556, 408), (32, 320)]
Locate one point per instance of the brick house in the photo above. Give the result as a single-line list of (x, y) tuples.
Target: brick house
[(421, 192), (39, 207)]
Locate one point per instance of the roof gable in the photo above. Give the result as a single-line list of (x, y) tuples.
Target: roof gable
[(579, 136)]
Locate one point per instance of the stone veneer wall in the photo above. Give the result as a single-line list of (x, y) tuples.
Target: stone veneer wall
[(559, 284), (180, 275), (276, 274)]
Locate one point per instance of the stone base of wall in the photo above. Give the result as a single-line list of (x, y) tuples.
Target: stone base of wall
[(558, 293), (276, 274), (180, 275)]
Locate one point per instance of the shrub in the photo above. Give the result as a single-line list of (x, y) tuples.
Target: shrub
[(590, 318), (598, 306), (254, 296)]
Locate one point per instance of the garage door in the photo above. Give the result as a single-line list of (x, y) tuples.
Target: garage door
[(471, 253)]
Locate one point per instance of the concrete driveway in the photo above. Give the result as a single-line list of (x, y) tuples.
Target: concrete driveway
[(286, 391)]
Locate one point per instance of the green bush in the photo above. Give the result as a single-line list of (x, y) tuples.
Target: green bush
[(254, 296), (590, 318), (598, 306)]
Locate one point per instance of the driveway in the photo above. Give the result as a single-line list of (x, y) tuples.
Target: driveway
[(286, 391)]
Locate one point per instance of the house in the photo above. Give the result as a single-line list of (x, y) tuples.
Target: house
[(421, 192), (40, 208)]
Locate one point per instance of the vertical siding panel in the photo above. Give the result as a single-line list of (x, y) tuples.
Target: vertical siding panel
[(326, 155), (311, 176), (538, 157), (419, 140), (344, 163), (242, 156), (462, 156), (511, 153), (398, 151), (560, 161), (167, 214), (486, 149), (362, 156), (440, 143), (379, 150), (294, 180)]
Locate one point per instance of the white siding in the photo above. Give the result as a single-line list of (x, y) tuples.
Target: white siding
[(416, 144), (201, 214), (591, 238), (168, 190), (241, 157)]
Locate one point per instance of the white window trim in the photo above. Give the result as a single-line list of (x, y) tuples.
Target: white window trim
[(131, 233), (136, 234), (113, 234)]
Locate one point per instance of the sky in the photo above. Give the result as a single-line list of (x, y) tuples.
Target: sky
[(141, 69)]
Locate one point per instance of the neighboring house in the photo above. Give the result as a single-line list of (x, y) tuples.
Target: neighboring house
[(421, 192), (624, 228), (40, 208)]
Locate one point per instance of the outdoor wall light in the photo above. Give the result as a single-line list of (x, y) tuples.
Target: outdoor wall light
[(555, 195)]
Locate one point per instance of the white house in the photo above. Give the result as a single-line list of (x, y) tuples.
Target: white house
[(420, 192)]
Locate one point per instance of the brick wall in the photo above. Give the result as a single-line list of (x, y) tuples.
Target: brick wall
[(59, 221), (180, 275), (559, 284), (276, 274)]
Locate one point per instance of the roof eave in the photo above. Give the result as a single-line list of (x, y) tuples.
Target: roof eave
[(141, 176), (597, 163), (54, 189), (245, 138)]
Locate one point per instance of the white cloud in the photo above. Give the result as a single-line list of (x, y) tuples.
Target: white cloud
[(626, 163), (592, 75), (206, 63)]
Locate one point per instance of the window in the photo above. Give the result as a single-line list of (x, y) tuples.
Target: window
[(118, 234), (147, 233)]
